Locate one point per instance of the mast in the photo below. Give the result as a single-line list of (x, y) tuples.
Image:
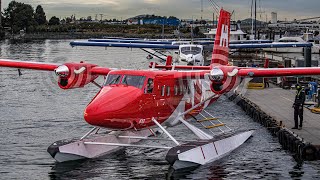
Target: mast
[(0, 14), (201, 9), (255, 19), (252, 17)]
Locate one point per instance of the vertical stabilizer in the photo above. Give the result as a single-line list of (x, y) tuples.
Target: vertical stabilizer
[(220, 52)]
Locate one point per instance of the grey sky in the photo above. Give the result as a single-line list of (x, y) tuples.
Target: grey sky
[(289, 9)]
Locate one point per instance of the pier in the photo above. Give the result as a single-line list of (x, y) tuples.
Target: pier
[(272, 107)]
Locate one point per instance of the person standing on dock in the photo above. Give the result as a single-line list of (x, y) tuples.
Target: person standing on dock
[(298, 106)]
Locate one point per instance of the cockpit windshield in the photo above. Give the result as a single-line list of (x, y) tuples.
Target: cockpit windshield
[(131, 80), (112, 79), (191, 50)]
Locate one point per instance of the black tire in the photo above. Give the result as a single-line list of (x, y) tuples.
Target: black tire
[(309, 153)]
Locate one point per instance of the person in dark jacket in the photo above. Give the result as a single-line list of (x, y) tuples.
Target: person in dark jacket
[(298, 106)]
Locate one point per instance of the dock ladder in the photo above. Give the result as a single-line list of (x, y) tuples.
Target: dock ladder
[(210, 122)]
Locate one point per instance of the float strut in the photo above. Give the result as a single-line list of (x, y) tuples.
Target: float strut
[(165, 131), (88, 133)]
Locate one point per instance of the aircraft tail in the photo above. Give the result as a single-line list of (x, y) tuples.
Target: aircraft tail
[(220, 53)]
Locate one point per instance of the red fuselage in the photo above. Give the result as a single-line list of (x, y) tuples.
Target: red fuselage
[(126, 100)]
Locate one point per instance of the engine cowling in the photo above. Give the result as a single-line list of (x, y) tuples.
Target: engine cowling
[(223, 79), (74, 75)]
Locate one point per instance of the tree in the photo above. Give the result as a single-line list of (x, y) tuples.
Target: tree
[(40, 16), (54, 21), (19, 16), (196, 30)]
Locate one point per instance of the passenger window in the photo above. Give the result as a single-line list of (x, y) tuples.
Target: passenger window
[(168, 91), (150, 85), (176, 89), (163, 90)]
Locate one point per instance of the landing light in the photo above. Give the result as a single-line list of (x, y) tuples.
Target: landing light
[(62, 71), (216, 74)]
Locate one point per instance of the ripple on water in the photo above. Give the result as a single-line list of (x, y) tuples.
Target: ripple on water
[(35, 112)]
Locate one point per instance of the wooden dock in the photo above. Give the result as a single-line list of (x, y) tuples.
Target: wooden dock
[(276, 104)]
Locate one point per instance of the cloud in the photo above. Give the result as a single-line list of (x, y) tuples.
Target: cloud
[(181, 8)]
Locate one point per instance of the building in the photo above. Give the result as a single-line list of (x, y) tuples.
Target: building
[(274, 17)]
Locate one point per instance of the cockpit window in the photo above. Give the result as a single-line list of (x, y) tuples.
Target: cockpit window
[(191, 50), (136, 81), (112, 79)]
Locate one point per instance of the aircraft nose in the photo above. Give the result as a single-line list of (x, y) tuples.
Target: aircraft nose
[(113, 106), (189, 58)]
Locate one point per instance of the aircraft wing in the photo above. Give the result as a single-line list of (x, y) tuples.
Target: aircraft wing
[(28, 65), (269, 45), (274, 72), (94, 70), (128, 45), (170, 41), (131, 41), (169, 46)]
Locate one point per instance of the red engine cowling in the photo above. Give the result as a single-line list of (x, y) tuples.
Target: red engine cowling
[(223, 79), (74, 75)]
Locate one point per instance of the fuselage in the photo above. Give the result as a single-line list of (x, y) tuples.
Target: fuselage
[(127, 100)]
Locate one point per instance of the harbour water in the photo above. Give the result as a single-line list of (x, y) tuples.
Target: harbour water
[(35, 112)]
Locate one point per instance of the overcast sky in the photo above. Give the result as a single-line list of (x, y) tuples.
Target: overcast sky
[(186, 9)]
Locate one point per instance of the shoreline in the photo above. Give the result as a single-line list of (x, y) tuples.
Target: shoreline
[(79, 35)]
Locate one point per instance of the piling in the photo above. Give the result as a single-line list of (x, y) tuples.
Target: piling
[(307, 56)]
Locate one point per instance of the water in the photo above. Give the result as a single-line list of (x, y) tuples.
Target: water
[(35, 112)]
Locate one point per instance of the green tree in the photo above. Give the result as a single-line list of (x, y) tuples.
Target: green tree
[(19, 16), (40, 15), (196, 30), (54, 21)]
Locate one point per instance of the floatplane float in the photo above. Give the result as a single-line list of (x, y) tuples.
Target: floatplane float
[(136, 105)]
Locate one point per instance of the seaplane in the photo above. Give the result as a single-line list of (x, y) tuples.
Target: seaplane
[(192, 52), (137, 105), (189, 51)]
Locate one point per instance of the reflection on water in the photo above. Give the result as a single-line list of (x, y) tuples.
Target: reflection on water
[(35, 112)]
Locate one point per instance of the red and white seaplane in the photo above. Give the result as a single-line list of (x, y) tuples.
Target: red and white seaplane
[(133, 104)]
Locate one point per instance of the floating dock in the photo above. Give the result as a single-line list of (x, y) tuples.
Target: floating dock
[(272, 107)]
